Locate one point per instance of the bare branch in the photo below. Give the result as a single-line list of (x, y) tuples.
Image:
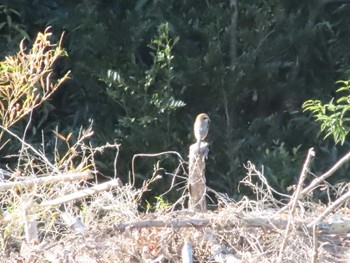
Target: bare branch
[(83, 193), (47, 180)]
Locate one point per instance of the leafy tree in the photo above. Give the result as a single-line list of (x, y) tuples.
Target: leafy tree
[(147, 99), (249, 64)]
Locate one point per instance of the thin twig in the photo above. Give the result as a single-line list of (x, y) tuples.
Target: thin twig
[(252, 171), (149, 155), (303, 174), (315, 244), (174, 175), (23, 138), (54, 168)]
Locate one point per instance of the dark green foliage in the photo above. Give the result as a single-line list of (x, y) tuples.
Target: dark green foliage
[(146, 97), (143, 69)]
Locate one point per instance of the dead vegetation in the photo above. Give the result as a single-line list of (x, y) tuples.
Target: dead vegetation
[(104, 224), (56, 211)]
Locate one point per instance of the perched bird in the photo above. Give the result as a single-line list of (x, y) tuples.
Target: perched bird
[(201, 128)]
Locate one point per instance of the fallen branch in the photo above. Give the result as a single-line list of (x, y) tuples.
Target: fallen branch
[(247, 222), (47, 180), (263, 222), (163, 223), (83, 193)]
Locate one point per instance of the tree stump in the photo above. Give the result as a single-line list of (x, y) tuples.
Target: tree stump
[(196, 177)]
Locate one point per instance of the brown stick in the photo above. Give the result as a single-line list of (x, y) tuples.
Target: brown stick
[(83, 193), (263, 222), (161, 223), (314, 244), (47, 180)]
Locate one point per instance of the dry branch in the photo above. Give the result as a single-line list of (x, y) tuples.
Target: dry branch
[(295, 200), (321, 178), (263, 222), (47, 180), (83, 193), (163, 223), (296, 196), (341, 226), (315, 244)]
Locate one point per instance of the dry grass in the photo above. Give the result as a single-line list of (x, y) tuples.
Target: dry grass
[(116, 231)]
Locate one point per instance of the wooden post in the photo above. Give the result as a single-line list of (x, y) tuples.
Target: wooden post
[(196, 177)]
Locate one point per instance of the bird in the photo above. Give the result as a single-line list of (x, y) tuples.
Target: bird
[(201, 128)]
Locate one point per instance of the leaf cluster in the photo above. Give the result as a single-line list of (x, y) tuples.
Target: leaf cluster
[(333, 115), (25, 79)]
